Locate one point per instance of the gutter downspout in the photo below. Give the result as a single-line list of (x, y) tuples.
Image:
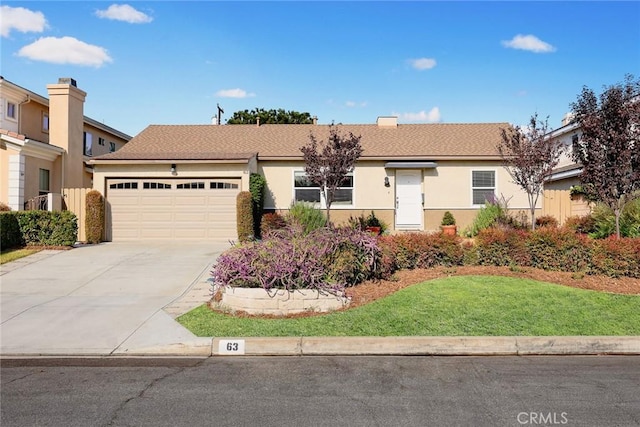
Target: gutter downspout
[(26, 101)]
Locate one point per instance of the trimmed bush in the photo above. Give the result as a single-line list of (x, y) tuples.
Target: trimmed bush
[(270, 222), (558, 250), (547, 221), (325, 259), (43, 228), (580, 224), (306, 215), (419, 250), (94, 220), (244, 216), (257, 184), (10, 235), (501, 247), (616, 257)]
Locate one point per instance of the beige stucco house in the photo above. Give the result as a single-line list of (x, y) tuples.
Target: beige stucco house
[(181, 181), (558, 201), (46, 144)]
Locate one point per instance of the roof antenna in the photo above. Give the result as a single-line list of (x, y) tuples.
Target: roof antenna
[(220, 113)]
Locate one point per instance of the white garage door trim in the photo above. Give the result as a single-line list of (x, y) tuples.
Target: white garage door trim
[(172, 209)]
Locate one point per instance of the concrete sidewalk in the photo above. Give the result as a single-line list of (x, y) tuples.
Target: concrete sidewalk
[(118, 300)]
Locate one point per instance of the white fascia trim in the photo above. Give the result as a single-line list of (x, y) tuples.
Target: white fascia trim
[(32, 148)]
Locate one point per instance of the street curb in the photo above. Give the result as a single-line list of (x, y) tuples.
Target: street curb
[(377, 346)]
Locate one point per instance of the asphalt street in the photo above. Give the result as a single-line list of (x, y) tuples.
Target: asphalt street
[(323, 391)]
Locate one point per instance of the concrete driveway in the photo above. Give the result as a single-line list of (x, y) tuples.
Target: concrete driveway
[(107, 299)]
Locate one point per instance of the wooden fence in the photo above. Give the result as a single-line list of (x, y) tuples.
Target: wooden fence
[(561, 205), (74, 200)]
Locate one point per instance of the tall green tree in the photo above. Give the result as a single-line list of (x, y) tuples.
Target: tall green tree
[(272, 116), (328, 163), (609, 147), (530, 156)]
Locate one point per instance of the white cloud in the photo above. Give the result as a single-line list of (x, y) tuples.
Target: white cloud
[(353, 104), (65, 50), (431, 116), (20, 19), (124, 12), (530, 43), (234, 93), (423, 63)]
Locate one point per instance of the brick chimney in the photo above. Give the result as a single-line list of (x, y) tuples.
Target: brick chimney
[(66, 126)]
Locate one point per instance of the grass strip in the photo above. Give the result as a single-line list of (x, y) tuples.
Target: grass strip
[(14, 254), (453, 306)]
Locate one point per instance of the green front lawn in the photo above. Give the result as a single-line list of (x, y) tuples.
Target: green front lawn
[(14, 254), (454, 306)]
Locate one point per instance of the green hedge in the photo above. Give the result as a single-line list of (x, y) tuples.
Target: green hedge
[(244, 216), (94, 219), (38, 228), (10, 235)]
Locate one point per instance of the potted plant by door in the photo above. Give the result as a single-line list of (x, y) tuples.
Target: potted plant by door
[(373, 224), (448, 224)]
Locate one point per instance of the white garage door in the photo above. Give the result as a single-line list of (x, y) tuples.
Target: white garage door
[(172, 209)]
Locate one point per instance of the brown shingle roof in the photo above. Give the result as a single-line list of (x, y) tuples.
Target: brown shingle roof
[(200, 142)]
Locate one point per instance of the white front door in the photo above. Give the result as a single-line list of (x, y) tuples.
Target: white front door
[(409, 199)]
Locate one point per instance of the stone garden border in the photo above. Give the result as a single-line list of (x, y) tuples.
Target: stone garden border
[(279, 302)]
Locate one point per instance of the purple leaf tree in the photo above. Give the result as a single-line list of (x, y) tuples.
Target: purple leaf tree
[(530, 156), (609, 147), (327, 164)]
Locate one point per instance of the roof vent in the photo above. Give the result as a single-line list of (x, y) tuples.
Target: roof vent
[(387, 122), (67, 81)]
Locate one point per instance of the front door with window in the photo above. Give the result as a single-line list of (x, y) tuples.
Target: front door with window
[(409, 209)]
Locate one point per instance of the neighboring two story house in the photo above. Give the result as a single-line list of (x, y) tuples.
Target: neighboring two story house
[(46, 144), (181, 181)]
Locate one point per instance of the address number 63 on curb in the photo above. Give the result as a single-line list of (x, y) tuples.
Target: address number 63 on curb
[(231, 347)]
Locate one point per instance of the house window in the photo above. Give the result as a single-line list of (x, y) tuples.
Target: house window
[(45, 122), (483, 184), (88, 142), (43, 186), (125, 186), (112, 147), (100, 141), (223, 185), (12, 112), (191, 185), (306, 191), (156, 185)]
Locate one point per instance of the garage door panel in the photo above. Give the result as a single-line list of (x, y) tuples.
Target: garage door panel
[(173, 213)]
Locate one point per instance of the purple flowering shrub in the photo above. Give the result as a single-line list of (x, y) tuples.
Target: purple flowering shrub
[(326, 259)]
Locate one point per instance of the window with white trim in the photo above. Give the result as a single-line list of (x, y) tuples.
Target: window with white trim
[(100, 141), (216, 185), (306, 191), (156, 186), (12, 110), (483, 185), (43, 186), (88, 142), (112, 147), (45, 122)]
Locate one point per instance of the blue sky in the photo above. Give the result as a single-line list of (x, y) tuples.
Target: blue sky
[(169, 62)]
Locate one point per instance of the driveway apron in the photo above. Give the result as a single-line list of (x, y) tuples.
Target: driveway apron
[(100, 299)]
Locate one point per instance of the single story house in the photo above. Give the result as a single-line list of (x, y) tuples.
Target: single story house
[(181, 181)]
